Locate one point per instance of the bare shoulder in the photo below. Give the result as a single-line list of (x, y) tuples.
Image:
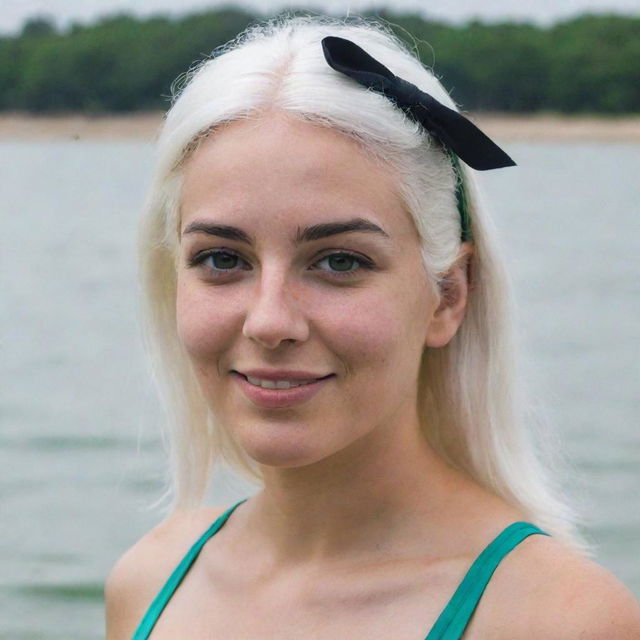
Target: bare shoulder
[(546, 589), (142, 570)]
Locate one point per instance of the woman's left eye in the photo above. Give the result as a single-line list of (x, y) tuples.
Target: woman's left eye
[(343, 258), (339, 262)]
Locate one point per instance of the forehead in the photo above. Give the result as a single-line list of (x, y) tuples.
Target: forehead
[(281, 169)]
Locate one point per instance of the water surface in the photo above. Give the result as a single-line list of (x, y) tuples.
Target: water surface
[(80, 451)]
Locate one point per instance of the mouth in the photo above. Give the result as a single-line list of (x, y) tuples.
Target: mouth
[(279, 398), (311, 380)]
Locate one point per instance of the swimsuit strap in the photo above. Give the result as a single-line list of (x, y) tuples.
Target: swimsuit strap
[(449, 626), (161, 600), (456, 615)]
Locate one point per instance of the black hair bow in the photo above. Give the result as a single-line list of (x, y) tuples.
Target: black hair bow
[(450, 127)]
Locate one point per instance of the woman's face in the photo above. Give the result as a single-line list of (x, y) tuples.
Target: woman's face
[(353, 304)]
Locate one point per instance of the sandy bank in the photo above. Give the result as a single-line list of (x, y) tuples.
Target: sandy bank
[(144, 126)]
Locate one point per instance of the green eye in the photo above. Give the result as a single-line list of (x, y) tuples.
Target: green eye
[(219, 262), (216, 260), (223, 260), (340, 262)]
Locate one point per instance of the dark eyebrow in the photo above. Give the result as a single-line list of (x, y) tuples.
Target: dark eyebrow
[(314, 232)]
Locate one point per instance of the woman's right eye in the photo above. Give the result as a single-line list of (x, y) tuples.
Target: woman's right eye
[(216, 260)]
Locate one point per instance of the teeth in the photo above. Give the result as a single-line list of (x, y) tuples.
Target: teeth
[(277, 384)]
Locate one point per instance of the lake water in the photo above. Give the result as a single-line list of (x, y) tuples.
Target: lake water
[(80, 453)]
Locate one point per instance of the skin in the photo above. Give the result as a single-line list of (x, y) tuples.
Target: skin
[(361, 530)]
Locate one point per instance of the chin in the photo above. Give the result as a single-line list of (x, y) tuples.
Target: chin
[(285, 451), (281, 457)]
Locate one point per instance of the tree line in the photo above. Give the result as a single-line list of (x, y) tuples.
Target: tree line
[(588, 64)]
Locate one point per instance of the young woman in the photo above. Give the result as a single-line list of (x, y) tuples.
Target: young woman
[(329, 313)]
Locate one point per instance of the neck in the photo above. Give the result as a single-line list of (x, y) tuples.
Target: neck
[(388, 491)]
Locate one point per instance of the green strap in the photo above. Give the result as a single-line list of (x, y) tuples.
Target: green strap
[(456, 615), (449, 626), (161, 600)]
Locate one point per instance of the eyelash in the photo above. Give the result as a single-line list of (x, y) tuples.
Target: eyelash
[(365, 263)]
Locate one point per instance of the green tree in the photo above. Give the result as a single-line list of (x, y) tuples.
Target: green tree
[(122, 63), (597, 64), (38, 26)]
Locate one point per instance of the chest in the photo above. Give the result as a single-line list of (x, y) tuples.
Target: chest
[(402, 603)]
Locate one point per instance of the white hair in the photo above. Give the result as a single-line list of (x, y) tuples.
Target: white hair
[(480, 418)]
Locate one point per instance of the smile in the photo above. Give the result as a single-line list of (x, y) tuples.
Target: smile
[(279, 384), (275, 394)]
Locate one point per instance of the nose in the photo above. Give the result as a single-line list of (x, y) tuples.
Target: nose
[(274, 313)]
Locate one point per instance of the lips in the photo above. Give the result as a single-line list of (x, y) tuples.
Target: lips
[(279, 398), (283, 378), (291, 375)]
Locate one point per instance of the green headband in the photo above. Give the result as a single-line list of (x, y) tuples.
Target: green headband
[(462, 198)]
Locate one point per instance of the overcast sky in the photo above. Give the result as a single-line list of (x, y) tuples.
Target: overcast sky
[(14, 12)]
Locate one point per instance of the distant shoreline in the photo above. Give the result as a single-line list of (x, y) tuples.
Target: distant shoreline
[(144, 126)]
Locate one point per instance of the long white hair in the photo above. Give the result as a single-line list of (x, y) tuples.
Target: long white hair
[(480, 419)]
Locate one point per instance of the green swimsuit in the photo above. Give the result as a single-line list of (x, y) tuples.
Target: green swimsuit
[(449, 626)]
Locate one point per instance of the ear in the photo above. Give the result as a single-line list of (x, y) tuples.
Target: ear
[(454, 288)]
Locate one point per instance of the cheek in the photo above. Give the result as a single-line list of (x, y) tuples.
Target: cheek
[(203, 327), (383, 340), (367, 330)]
